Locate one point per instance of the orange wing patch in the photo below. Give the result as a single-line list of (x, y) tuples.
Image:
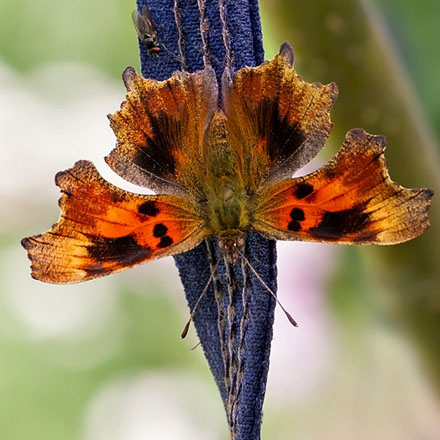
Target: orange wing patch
[(104, 229), (277, 121), (160, 130), (350, 200)]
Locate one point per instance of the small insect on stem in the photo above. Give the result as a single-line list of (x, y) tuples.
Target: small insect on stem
[(143, 22), (288, 315)]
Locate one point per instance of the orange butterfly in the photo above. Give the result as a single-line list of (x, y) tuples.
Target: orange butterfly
[(223, 171)]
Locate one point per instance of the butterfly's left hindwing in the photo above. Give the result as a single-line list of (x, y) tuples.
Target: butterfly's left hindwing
[(351, 200), (104, 229)]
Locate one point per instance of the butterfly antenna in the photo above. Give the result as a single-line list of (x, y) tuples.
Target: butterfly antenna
[(195, 346), (288, 315), (211, 277)]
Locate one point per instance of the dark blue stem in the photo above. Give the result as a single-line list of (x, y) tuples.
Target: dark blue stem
[(243, 22)]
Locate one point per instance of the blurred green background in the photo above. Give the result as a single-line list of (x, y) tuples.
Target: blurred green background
[(104, 360)]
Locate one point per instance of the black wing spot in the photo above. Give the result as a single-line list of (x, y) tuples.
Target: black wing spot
[(149, 208), (303, 190), (283, 137), (124, 250), (156, 155), (294, 226), (297, 216), (160, 230), (337, 224), (165, 242)]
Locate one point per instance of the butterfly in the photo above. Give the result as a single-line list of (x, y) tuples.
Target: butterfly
[(223, 170), (144, 25)]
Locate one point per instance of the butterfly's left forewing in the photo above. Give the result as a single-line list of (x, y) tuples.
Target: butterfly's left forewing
[(103, 229), (161, 128), (351, 200)]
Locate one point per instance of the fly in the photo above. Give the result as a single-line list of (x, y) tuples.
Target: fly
[(143, 22)]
